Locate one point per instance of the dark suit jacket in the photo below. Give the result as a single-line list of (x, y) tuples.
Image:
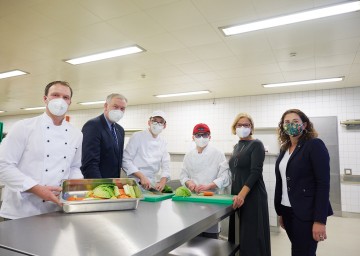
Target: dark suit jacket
[(100, 156), (308, 181)]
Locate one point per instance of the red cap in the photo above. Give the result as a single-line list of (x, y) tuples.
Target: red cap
[(201, 128)]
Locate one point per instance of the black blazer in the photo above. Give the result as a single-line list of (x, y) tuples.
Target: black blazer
[(100, 156), (308, 181)]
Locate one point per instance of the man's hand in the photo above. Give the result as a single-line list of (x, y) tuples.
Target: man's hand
[(47, 193), (161, 184), (191, 185), (202, 188), (145, 182)]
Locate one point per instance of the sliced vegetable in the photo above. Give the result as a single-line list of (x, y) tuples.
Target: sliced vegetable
[(182, 191), (208, 193), (167, 189)]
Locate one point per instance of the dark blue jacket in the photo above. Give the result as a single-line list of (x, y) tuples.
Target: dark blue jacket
[(308, 181), (100, 156)]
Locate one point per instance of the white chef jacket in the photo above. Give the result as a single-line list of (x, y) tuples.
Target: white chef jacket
[(36, 151), (209, 166), (146, 154)]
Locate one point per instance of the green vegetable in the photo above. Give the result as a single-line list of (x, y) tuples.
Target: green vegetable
[(104, 191), (137, 191), (182, 191), (129, 190), (167, 189)]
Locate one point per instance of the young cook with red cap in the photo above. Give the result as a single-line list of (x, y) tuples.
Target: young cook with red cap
[(205, 169)]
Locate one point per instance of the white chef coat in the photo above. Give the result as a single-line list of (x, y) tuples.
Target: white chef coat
[(36, 151), (146, 154), (208, 166)]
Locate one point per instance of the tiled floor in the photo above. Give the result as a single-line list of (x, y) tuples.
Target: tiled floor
[(343, 239)]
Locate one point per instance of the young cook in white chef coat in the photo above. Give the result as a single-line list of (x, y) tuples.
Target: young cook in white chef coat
[(37, 154), (146, 153), (205, 169)]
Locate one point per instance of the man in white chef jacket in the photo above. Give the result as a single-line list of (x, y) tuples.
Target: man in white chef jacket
[(146, 153), (205, 168), (37, 154)]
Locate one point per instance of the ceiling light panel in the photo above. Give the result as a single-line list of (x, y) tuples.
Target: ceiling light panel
[(106, 55), (181, 94), (305, 82), (292, 18), (12, 73)]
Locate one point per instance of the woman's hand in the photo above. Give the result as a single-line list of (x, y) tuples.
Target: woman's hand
[(238, 201), (281, 222), (319, 231)]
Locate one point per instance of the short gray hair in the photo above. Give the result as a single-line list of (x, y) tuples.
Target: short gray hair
[(117, 96)]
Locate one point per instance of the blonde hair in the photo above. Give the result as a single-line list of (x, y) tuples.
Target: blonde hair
[(237, 118)]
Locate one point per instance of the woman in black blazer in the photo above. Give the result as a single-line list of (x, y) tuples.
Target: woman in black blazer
[(302, 183)]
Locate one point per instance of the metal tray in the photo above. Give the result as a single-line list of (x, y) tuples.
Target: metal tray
[(79, 187)]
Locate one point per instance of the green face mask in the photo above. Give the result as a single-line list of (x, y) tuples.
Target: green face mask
[(293, 129)]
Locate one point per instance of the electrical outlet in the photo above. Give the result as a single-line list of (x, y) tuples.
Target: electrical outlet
[(347, 171)]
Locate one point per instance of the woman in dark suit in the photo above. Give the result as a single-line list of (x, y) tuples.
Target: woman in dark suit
[(302, 183)]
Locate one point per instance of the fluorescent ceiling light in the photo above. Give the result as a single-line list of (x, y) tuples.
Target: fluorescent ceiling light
[(293, 18), (181, 94), (12, 73), (317, 81), (92, 102), (106, 55), (2, 111), (33, 108)]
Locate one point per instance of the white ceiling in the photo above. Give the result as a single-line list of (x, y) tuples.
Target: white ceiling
[(185, 50)]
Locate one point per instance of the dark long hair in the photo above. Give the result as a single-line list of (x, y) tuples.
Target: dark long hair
[(308, 133)]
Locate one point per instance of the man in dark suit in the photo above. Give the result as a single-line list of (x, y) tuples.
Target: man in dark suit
[(103, 142)]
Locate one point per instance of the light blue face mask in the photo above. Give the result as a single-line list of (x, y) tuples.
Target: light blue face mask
[(293, 129)]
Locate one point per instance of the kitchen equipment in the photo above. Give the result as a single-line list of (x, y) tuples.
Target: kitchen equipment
[(150, 197), (79, 188), (219, 199)]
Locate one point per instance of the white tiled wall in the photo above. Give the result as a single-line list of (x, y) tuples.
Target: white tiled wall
[(266, 111)]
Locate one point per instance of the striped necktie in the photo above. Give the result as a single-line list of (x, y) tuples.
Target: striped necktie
[(113, 131)]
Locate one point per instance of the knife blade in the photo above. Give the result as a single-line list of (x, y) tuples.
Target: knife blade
[(154, 191)]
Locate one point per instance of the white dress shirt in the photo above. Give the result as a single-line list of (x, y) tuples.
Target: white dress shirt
[(146, 154), (36, 151), (282, 167)]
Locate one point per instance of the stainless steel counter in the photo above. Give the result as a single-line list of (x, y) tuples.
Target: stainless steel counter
[(155, 228)]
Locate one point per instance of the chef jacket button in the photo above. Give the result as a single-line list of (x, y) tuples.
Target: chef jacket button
[(288, 188), (43, 201), (48, 140), (287, 178), (48, 127), (62, 170), (65, 130), (304, 190), (64, 156), (46, 170), (65, 143), (47, 155)]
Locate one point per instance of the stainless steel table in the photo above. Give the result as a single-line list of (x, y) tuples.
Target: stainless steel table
[(155, 228)]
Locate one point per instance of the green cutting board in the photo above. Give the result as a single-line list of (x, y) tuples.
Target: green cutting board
[(148, 197), (219, 199)]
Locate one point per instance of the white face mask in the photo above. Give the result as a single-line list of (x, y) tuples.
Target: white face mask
[(58, 106), (243, 132), (115, 115), (156, 128), (201, 142)]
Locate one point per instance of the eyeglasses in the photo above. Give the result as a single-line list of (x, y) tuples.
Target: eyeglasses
[(243, 125), (199, 135), (158, 123)]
